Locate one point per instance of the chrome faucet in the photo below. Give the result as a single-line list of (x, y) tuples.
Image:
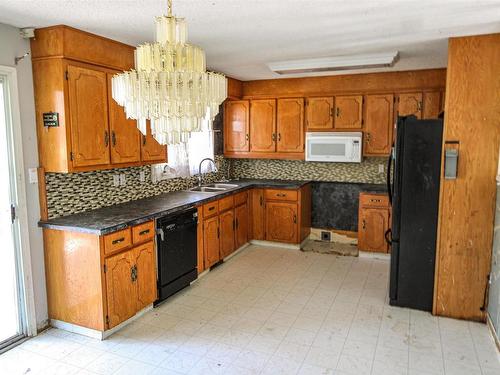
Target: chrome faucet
[(200, 175)]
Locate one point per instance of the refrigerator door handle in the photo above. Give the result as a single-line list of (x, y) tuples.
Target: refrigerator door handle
[(388, 239), (389, 167)]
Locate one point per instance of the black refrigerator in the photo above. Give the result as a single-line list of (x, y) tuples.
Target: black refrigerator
[(414, 195)]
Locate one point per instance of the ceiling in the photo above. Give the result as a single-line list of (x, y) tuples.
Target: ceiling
[(241, 36)]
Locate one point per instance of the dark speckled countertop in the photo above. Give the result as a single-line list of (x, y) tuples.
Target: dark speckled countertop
[(113, 218)]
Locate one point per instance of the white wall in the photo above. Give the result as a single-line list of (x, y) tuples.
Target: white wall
[(13, 45)]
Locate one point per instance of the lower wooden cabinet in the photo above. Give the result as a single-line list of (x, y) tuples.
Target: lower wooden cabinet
[(98, 282), (241, 225), (256, 207), (281, 222), (211, 240), (373, 222), (227, 231)]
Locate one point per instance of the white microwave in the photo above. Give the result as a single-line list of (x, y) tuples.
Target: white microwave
[(334, 147)]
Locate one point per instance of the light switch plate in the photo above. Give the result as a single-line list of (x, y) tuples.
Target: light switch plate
[(33, 175), (142, 176), (123, 180), (116, 180)]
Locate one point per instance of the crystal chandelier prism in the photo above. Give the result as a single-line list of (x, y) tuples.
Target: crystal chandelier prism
[(170, 86)]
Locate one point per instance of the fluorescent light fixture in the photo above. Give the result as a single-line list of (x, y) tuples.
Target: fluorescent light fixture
[(329, 64)]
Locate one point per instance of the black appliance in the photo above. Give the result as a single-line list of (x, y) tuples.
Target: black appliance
[(414, 195), (177, 252)]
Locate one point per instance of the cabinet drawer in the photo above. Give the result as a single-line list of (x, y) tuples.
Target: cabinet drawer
[(143, 232), (240, 198), (226, 203), (281, 195), (117, 241), (374, 200), (210, 209)]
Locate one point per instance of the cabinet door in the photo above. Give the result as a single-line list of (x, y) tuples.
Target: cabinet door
[(125, 137), (226, 225), (378, 124), (410, 104), (145, 263), (281, 222), (241, 219), (236, 126), (290, 125), (88, 104), (257, 223), (211, 240), (349, 112), (432, 104), (121, 290), (151, 150), (319, 113), (373, 223), (263, 125)]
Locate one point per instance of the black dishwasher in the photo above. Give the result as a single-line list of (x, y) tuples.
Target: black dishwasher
[(177, 252)]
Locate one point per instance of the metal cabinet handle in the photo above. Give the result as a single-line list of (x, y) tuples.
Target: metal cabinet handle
[(274, 137), (419, 106), (211, 208), (106, 138), (113, 138), (363, 224), (118, 240), (338, 112), (375, 200), (261, 200), (142, 233), (144, 140), (295, 219), (281, 195), (279, 137), (247, 137), (368, 137), (133, 273), (237, 224)]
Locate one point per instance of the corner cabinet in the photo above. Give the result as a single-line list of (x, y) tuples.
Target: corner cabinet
[(98, 282), (74, 84)]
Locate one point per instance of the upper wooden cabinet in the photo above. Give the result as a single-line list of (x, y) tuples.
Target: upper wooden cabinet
[(124, 135), (290, 125), (72, 73), (263, 125), (151, 150), (410, 104), (349, 112), (88, 104), (378, 126), (319, 113), (236, 126), (433, 104)]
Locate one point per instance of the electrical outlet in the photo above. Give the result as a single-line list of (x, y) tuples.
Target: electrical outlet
[(381, 168), (142, 176), (33, 175), (123, 180), (116, 180), (326, 236)]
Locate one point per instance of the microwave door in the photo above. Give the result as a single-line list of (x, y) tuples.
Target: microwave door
[(328, 150)]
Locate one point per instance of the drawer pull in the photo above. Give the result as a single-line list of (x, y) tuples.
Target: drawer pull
[(375, 200), (281, 195), (211, 208), (133, 273), (118, 240), (142, 233)]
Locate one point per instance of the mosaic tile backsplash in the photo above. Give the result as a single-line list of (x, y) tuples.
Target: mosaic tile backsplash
[(69, 193), (365, 172)]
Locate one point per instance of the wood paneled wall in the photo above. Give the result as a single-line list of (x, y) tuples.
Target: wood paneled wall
[(347, 84), (467, 204)]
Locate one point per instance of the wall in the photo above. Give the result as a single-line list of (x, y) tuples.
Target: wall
[(365, 172), (13, 45), (69, 193), (494, 295)]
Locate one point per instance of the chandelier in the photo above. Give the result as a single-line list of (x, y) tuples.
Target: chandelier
[(170, 86)]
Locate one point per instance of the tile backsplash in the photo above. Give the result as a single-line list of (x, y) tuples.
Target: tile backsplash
[(69, 193), (364, 172)]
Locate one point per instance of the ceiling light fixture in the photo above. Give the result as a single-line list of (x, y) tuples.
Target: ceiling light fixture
[(170, 86), (329, 64)]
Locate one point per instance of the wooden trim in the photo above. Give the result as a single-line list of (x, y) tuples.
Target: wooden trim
[(355, 84), (265, 155), (42, 194), (234, 88)]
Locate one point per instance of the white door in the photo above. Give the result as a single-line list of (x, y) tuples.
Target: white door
[(13, 318)]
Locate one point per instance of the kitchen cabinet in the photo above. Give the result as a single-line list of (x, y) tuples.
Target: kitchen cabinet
[(124, 136), (227, 233), (211, 240), (72, 73), (410, 104), (118, 269), (281, 222), (432, 105), (88, 103), (290, 125), (319, 113), (263, 125), (378, 126), (349, 112), (373, 222), (241, 225), (236, 126), (257, 214)]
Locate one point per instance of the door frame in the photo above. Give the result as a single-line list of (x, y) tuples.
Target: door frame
[(27, 302)]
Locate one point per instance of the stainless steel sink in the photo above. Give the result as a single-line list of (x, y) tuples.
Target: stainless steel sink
[(213, 188)]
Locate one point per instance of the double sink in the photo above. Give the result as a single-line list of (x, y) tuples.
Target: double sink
[(213, 188)]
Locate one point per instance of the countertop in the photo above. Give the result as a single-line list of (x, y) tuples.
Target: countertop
[(113, 218)]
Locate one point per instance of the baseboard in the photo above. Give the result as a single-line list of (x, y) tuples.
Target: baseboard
[(381, 256), (493, 332), (276, 244), (237, 251), (93, 333)]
